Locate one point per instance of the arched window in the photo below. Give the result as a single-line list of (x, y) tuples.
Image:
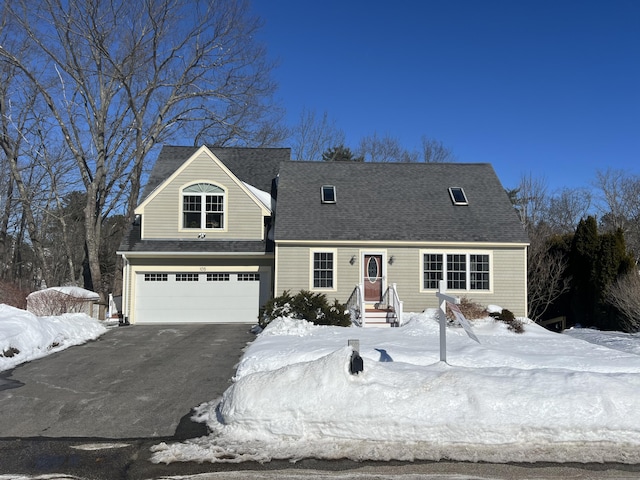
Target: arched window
[(203, 206)]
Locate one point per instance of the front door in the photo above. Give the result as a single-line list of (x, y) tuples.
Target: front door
[(372, 278)]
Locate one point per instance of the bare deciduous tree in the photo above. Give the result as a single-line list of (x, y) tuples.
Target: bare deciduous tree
[(567, 208), (531, 200), (619, 206), (118, 77), (375, 148), (546, 277), (624, 294), (18, 121), (618, 194), (314, 135), (434, 151)]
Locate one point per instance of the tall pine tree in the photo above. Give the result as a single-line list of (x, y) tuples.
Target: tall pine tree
[(595, 262), (582, 262), (613, 261)]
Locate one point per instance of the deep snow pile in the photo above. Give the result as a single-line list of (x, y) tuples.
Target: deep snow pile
[(538, 396), (25, 337)]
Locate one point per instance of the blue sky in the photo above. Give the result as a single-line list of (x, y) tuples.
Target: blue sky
[(547, 88)]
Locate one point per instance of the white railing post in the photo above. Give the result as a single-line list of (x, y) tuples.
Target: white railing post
[(363, 313), (397, 304)]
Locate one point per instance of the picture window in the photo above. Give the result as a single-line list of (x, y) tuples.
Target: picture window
[(461, 271)]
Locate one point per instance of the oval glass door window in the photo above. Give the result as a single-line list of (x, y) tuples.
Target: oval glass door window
[(373, 269)]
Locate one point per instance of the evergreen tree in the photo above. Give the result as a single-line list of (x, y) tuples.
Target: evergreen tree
[(613, 261), (582, 265), (596, 261), (340, 154)]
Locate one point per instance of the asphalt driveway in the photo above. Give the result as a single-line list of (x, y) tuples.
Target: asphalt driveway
[(133, 382)]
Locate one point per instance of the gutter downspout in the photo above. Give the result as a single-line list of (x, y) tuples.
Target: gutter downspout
[(126, 284)]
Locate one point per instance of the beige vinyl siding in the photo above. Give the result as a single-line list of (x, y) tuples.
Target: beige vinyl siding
[(294, 270), (162, 216), (510, 280), (508, 275)]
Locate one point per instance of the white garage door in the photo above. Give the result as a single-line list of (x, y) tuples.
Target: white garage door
[(197, 297)]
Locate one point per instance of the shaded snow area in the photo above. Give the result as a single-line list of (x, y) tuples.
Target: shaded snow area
[(25, 337), (626, 342), (537, 396)]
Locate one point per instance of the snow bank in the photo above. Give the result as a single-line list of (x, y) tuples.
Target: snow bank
[(25, 337), (539, 396)]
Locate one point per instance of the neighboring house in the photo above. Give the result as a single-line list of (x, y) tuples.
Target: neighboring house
[(222, 230), (59, 300)]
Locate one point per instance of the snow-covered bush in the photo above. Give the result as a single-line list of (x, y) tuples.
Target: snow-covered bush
[(507, 316), (305, 305), (470, 309)]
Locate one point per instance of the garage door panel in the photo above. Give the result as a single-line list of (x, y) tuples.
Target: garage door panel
[(161, 298)]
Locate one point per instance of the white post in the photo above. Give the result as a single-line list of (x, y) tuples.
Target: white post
[(443, 298), (363, 312)]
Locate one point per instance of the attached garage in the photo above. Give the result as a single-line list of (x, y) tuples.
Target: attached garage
[(198, 297)]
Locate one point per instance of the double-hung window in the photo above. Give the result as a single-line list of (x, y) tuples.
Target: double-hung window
[(456, 272), (323, 270), (461, 271), (479, 272), (203, 206), (433, 270)]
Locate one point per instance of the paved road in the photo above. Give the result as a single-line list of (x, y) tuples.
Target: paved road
[(133, 382), (37, 459)]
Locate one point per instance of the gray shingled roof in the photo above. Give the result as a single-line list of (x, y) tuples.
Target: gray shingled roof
[(132, 243), (255, 166), (375, 201), (394, 202)]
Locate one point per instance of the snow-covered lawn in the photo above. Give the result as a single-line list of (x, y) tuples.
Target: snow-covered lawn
[(538, 396), (25, 337)]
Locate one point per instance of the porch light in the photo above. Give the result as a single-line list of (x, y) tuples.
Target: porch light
[(391, 260), (352, 260)]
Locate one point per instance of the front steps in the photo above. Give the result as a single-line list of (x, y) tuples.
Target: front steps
[(380, 316)]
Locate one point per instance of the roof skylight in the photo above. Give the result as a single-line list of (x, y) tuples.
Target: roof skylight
[(328, 194), (458, 197)]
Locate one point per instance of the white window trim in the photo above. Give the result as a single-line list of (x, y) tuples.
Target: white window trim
[(335, 195), (467, 253), (225, 208), (312, 253), (453, 198)]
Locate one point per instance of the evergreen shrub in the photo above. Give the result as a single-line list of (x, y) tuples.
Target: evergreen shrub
[(305, 305), (507, 316)]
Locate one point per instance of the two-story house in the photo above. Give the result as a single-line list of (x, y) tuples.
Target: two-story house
[(220, 230)]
